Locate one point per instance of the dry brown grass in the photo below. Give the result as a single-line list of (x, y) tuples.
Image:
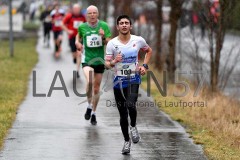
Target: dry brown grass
[(216, 125)]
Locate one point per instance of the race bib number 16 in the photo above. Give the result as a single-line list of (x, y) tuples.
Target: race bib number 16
[(94, 40)]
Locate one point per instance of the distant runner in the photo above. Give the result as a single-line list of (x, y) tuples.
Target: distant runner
[(57, 16), (122, 54), (94, 34), (47, 25), (71, 22)]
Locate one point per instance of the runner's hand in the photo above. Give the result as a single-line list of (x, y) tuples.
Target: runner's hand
[(69, 32), (118, 58), (101, 32), (79, 46), (142, 70)]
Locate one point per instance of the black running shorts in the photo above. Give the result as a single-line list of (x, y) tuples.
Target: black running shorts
[(97, 68)]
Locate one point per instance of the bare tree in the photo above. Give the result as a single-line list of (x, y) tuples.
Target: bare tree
[(158, 60), (175, 14), (105, 9), (93, 2), (217, 31), (228, 69)]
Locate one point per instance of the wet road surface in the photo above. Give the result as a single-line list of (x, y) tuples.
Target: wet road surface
[(54, 128)]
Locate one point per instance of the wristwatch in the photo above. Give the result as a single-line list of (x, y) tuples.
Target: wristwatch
[(145, 66)]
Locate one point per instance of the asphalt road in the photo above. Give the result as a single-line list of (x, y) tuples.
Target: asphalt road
[(54, 128)]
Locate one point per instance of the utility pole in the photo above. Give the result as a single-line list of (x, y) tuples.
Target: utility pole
[(10, 28)]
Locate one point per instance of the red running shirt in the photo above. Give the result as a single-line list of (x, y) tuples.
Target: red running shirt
[(72, 22), (57, 22)]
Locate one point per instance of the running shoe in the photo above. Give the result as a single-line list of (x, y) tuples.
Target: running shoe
[(126, 147), (88, 114), (93, 119), (134, 134)]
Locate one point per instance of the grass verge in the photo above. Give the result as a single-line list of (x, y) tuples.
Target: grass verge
[(215, 124), (14, 74), (30, 26)]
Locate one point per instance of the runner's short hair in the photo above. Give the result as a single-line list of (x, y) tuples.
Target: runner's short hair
[(123, 17)]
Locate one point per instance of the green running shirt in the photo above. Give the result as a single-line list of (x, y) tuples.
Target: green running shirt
[(93, 45)]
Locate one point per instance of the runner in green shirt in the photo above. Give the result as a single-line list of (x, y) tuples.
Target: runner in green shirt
[(93, 42), (94, 34)]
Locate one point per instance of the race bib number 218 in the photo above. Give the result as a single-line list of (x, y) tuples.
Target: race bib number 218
[(94, 40)]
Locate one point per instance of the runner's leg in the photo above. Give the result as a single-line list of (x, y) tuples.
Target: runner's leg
[(96, 96), (48, 36), (131, 102), (44, 33), (123, 111), (73, 49), (55, 35), (79, 61), (76, 57), (96, 88), (89, 75), (131, 105), (59, 41)]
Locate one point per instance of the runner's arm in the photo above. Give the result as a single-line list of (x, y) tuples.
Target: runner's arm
[(106, 34), (148, 55), (146, 48), (106, 40), (78, 42), (110, 63), (64, 27), (109, 57)]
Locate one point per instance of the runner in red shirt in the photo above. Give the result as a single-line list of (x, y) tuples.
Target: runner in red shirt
[(71, 23), (57, 17)]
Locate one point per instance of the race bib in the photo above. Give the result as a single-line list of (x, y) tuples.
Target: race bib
[(57, 23), (76, 24), (94, 40), (126, 69), (48, 19)]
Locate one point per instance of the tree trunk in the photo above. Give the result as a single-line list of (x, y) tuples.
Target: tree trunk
[(93, 2), (158, 61), (225, 10), (105, 9), (175, 14), (211, 47)]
